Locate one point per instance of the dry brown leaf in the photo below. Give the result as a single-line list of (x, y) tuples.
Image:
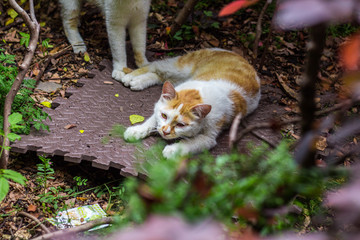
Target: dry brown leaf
[(321, 143), (70, 126), (31, 208)]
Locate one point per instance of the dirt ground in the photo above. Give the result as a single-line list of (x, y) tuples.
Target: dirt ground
[(284, 60)]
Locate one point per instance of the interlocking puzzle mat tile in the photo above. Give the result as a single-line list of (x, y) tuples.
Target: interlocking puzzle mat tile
[(94, 108)]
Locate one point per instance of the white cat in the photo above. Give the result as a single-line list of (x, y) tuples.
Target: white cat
[(214, 86), (119, 15)]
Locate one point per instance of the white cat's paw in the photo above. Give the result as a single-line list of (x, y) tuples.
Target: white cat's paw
[(135, 133), (117, 74), (143, 81), (127, 79), (173, 150), (79, 48)]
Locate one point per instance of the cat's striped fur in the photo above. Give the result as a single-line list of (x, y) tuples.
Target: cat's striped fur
[(212, 87)]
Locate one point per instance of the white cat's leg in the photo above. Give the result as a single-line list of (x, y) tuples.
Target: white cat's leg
[(116, 29), (140, 131), (70, 11), (137, 32), (193, 145)]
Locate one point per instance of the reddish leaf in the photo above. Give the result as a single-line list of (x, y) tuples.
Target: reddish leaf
[(31, 208), (234, 6)]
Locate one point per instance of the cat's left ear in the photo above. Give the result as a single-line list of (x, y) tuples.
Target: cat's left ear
[(201, 110), (168, 91)]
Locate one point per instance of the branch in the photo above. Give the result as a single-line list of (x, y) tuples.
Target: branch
[(182, 16), (340, 106), (70, 231), (308, 88), (36, 220), (34, 29), (259, 28)]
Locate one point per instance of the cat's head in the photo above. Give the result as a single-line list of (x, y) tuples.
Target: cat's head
[(180, 114)]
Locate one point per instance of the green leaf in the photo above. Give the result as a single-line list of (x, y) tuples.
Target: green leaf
[(86, 57), (14, 176), (13, 136), (4, 188), (12, 13), (15, 118)]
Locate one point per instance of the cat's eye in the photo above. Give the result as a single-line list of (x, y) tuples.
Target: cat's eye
[(181, 125), (163, 115)]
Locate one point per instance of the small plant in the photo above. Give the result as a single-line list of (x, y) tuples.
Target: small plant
[(45, 172), (25, 39), (23, 104), (45, 45), (7, 175)]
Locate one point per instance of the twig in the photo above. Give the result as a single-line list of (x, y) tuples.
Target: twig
[(308, 88), (74, 230), (266, 47), (47, 62), (343, 105), (182, 16), (34, 29), (259, 28), (36, 220), (289, 91)]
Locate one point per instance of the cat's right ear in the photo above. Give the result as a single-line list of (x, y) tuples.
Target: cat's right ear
[(168, 91)]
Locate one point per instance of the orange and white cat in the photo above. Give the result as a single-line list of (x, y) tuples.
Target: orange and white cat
[(212, 87), (119, 15)]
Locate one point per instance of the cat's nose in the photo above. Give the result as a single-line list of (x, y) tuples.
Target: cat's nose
[(166, 130)]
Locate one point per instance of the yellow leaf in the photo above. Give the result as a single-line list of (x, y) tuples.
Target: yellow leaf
[(42, 24), (11, 20), (116, 95), (46, 104), (86, 57), (12, 13), (81, 131), (136, 118)]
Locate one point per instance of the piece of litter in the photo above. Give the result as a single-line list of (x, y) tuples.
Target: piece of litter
[(108, 82), (78, 216), (136, 119)]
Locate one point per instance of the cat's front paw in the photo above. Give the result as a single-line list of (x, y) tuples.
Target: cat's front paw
[(135, 133), (173, 150), (79, 48), (117, 74)]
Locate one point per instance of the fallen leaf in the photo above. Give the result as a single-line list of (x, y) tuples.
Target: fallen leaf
[(31, 208), (46, 104), (86, 57), (116, 95), (136, 118), (82, 198), (70, 126), (81, 131), (321, 143)]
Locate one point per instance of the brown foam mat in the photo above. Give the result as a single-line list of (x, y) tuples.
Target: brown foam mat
[(95, 108)]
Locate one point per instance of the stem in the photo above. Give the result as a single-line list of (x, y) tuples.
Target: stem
[(308, 88)]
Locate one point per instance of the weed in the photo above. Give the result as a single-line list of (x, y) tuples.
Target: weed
[(23, 104), (7, 175), (45, 172)]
